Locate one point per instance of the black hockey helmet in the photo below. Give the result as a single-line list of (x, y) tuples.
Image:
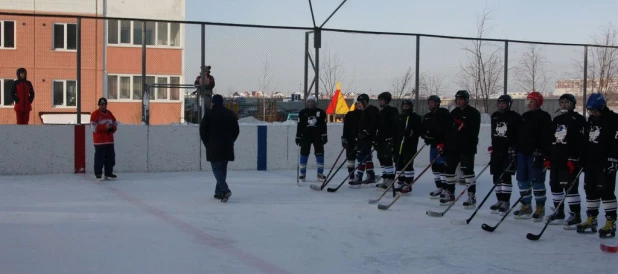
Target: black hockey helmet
[(102, 101), (363, 99), (386, 96), (569, 97), (434, 98), (407, 102), (463, 94), (506, 98)]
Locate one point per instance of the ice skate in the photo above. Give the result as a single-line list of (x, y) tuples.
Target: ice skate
[(110, 176), (404, 188), (539, 213), (556, 219), (609, 229), (355, 182), (572, 222), (471, 202), (589, 224), (321, 177), (436, 193), (495, 208), (385, 183), (99, 177), (371, 179), (504, 207), (301, 177), (448, 199), (524, 212)]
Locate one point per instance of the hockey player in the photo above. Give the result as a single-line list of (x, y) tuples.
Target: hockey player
[(600, 160), (504, 126), (385, 142), (104, 125), (348, 140), (311, 130), (563, 161), (436, 124), (407, 141), (533, 142), (367, 129), (462, 139)]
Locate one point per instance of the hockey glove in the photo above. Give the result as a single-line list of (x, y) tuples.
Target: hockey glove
[(547, 163), (572, 164), (298, 141), (324, 139), (440, 148), (610, 166), (537, 159), (344, 142), (490, 150)]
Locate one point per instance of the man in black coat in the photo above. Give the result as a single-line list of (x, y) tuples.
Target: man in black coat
[(218, 131)]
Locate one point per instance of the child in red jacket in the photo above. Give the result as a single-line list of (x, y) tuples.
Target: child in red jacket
[(104, 125), (23, 95)]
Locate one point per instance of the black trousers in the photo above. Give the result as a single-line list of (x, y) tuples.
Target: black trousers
[(504, 185), (104, 155), (600, 187), (305, 146), (559, 180), (466, 160)]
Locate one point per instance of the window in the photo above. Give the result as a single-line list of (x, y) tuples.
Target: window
[(129, 87), (6, 100), (7, 34), (64, 93), (65, 36), (124, 32)]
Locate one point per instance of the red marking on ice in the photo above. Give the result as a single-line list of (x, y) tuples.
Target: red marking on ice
[(223, 244)]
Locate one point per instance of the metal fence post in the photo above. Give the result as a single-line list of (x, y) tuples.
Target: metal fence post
[(78, 77), (585, 80), (306, 79), (506, 66), (202, 88), (416, 76), (144, 88), (317, 44)]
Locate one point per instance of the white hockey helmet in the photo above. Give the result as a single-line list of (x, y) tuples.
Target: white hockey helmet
[(311, 98)]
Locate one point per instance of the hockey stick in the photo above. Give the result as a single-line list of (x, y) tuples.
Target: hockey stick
[(315, 187), (373, 201), (298, 168), (403, 138), (440, 214), (489, 228), (330, 189), (536, 237), (467, 221)]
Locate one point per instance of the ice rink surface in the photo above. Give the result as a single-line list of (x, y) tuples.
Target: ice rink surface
[(170, 223)]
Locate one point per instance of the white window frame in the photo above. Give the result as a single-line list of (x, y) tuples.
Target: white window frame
[(65, 37), (2, 92), (155, 91), (156, 35), (14, 34), (64, 93)]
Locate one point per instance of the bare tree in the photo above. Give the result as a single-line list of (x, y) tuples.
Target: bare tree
[(403, 85), (431, 84), (265, 82), (603, 64), (531, 70), (331, 72), (481, 76)]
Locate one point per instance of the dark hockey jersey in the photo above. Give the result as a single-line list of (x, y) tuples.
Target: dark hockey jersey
[(387, 123), (435, 125), (369, 121), (504, 130), (535, 132), (463, 134), (350, 125), (569, 138), (602, 135), (311, 123), (411, 121)]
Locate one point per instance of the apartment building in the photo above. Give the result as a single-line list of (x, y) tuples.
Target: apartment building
[(111, 58)]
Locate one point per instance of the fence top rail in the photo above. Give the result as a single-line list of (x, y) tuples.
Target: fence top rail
[(309, 29)]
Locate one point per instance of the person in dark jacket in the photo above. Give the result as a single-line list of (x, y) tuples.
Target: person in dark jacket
[(600, 161), (311, 130), (218, 131), (348, 140), (409, 130), (460, 148), (23, 95), (503, 160), (436, 123), (533, 143), (563, 161), (385, 141), (367, 130)]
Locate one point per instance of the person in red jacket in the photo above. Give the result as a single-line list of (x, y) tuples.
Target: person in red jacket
[(104, 125), (23, 95)]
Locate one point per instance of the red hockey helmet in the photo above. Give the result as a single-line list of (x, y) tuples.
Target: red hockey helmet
[(536, 96)]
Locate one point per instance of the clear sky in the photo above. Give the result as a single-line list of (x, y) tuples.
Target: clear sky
[(370, 63)]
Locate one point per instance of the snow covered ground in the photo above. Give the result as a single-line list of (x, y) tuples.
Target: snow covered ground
[(169, 223)]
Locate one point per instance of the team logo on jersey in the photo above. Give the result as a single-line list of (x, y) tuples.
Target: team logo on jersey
[(312, 121), (595, 131), (501, 129), (616, 137), (317, 114), (560, 135)]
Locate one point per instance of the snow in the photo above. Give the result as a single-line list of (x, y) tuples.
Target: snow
[(170, 223)]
